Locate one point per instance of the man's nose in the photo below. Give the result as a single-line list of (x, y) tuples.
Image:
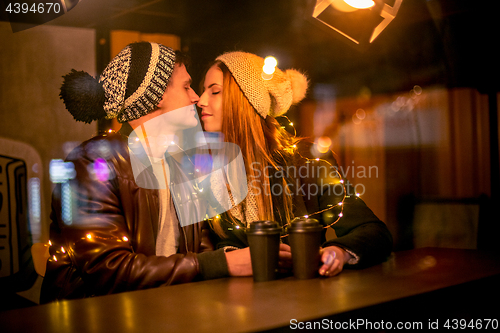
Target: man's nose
[(201, 101), (194, 97)]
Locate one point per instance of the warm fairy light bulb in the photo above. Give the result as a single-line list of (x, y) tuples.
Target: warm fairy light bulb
[(89, 236), (62, 250), (324, 141), (125, 238), (50, 243), (340, 214), (360, 4), (54, 257), (361, 114)]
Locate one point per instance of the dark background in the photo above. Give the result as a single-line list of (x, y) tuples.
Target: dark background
[(450, 42)]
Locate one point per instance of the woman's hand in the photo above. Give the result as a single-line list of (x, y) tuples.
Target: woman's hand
[(239, 262), (333, 259), (285, 263)]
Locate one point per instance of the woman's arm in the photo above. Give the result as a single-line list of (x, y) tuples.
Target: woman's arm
[(359, 232)]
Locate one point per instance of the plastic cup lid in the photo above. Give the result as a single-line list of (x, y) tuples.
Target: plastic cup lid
[(263, 227), (306, 224)]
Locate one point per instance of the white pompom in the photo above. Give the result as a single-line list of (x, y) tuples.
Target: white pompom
[(299, 84)]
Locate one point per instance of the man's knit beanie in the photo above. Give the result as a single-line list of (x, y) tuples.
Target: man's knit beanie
[(268, 95), (130, 86)]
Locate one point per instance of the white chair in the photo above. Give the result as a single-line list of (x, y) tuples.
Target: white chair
[(40, 254)]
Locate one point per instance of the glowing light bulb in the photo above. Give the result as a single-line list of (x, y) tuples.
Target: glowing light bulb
[(324, 141), (360, 4), (125, 238), (62, 250), (89, 236), (268, 69), (54, 257), (361, 114), (50, 243), (271, 61), (322, 149), (340, 215), (342, 6), (306, 216)]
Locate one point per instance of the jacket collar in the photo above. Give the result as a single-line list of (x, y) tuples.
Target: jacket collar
[(126, 129)]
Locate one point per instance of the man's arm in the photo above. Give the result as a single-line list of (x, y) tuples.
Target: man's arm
[(109, 244)]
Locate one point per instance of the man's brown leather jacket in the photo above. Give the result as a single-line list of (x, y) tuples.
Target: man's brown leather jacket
[(108, 245)]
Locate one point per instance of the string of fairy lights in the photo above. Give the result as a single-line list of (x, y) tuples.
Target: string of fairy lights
[(340, 204), (268, 70)]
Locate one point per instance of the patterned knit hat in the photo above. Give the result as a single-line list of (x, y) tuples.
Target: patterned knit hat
[(268, 96), (130, 87)]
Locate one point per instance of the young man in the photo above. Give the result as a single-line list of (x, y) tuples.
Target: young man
[(108, 244)]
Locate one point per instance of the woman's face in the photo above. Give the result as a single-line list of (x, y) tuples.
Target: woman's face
[(211, 100)]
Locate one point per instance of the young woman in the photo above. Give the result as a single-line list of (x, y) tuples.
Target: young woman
[(242, 102)]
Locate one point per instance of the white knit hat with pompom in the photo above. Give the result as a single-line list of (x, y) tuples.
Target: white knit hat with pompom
[(268, 96)]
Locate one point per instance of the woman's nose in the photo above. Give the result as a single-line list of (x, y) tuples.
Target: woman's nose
[(202, 101)]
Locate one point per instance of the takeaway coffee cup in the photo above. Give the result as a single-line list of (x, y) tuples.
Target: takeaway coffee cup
[(264, 240), (305, 241)]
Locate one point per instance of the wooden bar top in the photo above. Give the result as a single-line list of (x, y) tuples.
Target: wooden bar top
[(239, 304)]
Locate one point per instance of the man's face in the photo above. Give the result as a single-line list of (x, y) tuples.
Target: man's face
[(179, 92), (177, 96)]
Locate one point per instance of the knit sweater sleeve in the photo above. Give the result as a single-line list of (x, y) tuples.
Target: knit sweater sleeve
[(213, 264)]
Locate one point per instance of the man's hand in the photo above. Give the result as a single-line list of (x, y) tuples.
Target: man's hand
[(239, 262), (333, 258)]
